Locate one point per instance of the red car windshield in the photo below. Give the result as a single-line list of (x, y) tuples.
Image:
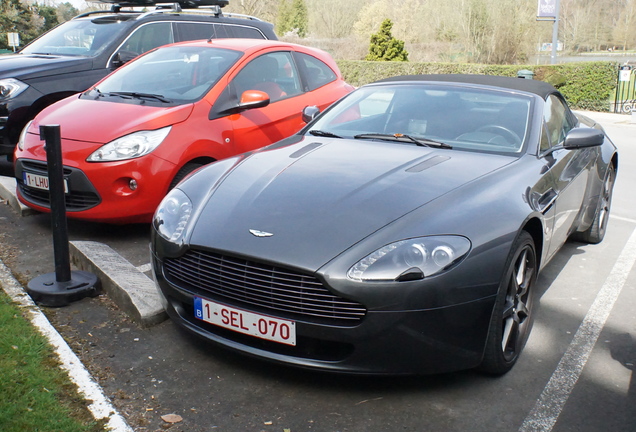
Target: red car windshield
[(177, 73)]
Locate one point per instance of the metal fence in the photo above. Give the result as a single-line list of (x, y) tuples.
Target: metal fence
[(625, 100)]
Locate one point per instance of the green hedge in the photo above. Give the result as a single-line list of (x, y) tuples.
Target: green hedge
[(586, 85)]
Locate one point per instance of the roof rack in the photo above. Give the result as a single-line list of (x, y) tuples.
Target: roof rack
[(238, 15), (205, 6), (173, 5), (186, 4), (85, 14)]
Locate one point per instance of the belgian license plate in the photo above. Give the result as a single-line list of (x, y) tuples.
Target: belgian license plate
[(39, 182), (262, 326)]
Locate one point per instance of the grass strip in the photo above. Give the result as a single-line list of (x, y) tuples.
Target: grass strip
[(35, 394)]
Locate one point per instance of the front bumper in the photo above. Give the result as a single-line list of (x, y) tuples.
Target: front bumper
[(101, 192), (394, 342)]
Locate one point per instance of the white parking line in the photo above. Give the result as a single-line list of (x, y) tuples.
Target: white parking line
[(100, 406), (624, 219), (555, 394)]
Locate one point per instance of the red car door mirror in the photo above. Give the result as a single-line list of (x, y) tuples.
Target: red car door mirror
[(253, 99)]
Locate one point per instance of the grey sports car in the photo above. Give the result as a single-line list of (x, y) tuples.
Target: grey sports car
[(400, 232)]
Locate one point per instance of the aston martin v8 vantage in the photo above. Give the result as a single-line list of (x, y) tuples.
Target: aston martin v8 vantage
[(400, 232)]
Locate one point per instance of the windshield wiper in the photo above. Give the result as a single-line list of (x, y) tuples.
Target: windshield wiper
[(136, 95), (326, 134), (96, 90), (422, 142)]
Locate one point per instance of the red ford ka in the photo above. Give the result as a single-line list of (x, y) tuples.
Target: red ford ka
[(134, 135)]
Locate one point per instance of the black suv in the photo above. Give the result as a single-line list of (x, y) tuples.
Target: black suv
[(76, 54)]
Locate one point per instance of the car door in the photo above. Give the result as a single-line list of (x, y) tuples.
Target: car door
[(275, 74), (569, 169)]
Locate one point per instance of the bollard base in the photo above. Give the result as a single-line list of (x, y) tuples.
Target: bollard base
[(45, 290)]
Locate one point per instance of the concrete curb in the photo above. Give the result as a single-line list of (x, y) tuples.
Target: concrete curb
[(7, 193), (132, 291), (97, 402)]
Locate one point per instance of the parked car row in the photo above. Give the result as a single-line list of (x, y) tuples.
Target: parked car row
[(398, 228), (76, 54), (133, 136)]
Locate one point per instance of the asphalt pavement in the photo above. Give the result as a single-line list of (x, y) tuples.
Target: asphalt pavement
[(576, 373)]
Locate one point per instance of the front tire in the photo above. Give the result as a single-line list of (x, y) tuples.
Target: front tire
[(183, 172), (596, 232), (512, 315)]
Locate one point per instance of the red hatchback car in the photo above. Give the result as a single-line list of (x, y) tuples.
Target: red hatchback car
[(134, 135)]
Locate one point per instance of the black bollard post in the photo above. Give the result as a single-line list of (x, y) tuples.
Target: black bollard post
[(51, 135), (63, 286)]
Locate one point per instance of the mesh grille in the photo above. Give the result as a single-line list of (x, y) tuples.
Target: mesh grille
[(74, 200), (268, 288)]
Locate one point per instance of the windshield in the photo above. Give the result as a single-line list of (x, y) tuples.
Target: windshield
[(77, 38), (445, 115), (178, 73)]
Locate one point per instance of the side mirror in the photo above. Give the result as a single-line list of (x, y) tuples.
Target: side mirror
[(123, 57), (310, 113), (583, 138), (253, 99)]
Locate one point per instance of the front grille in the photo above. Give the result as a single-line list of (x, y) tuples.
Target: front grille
[(261, 287), (81, 196), (74, 200), (40, 168)]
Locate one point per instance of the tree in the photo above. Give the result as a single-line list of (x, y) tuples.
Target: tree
[(49, 14), (66, 11), (384, 47), (334, 18), (263, 9), (370, 18), (299, 21), (292, 17), (15, 17)]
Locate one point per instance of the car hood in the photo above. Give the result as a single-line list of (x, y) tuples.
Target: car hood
[(309, 202), (101, 121), (26, 66)]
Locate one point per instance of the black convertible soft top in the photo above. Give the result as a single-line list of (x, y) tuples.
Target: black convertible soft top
[(526, 85)]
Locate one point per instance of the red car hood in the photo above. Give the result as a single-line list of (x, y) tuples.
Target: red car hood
[(101, 121)]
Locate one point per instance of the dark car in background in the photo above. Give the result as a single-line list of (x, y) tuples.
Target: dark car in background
[(400, 232), (76, 54)]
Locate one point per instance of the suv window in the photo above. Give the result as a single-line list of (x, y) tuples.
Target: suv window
[(195, 31), (149, 36), (76, 38)]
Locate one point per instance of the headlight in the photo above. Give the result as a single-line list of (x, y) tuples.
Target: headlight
[(23, 135), (130, 146), (172, 215), (410, 259), (11, 87)]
